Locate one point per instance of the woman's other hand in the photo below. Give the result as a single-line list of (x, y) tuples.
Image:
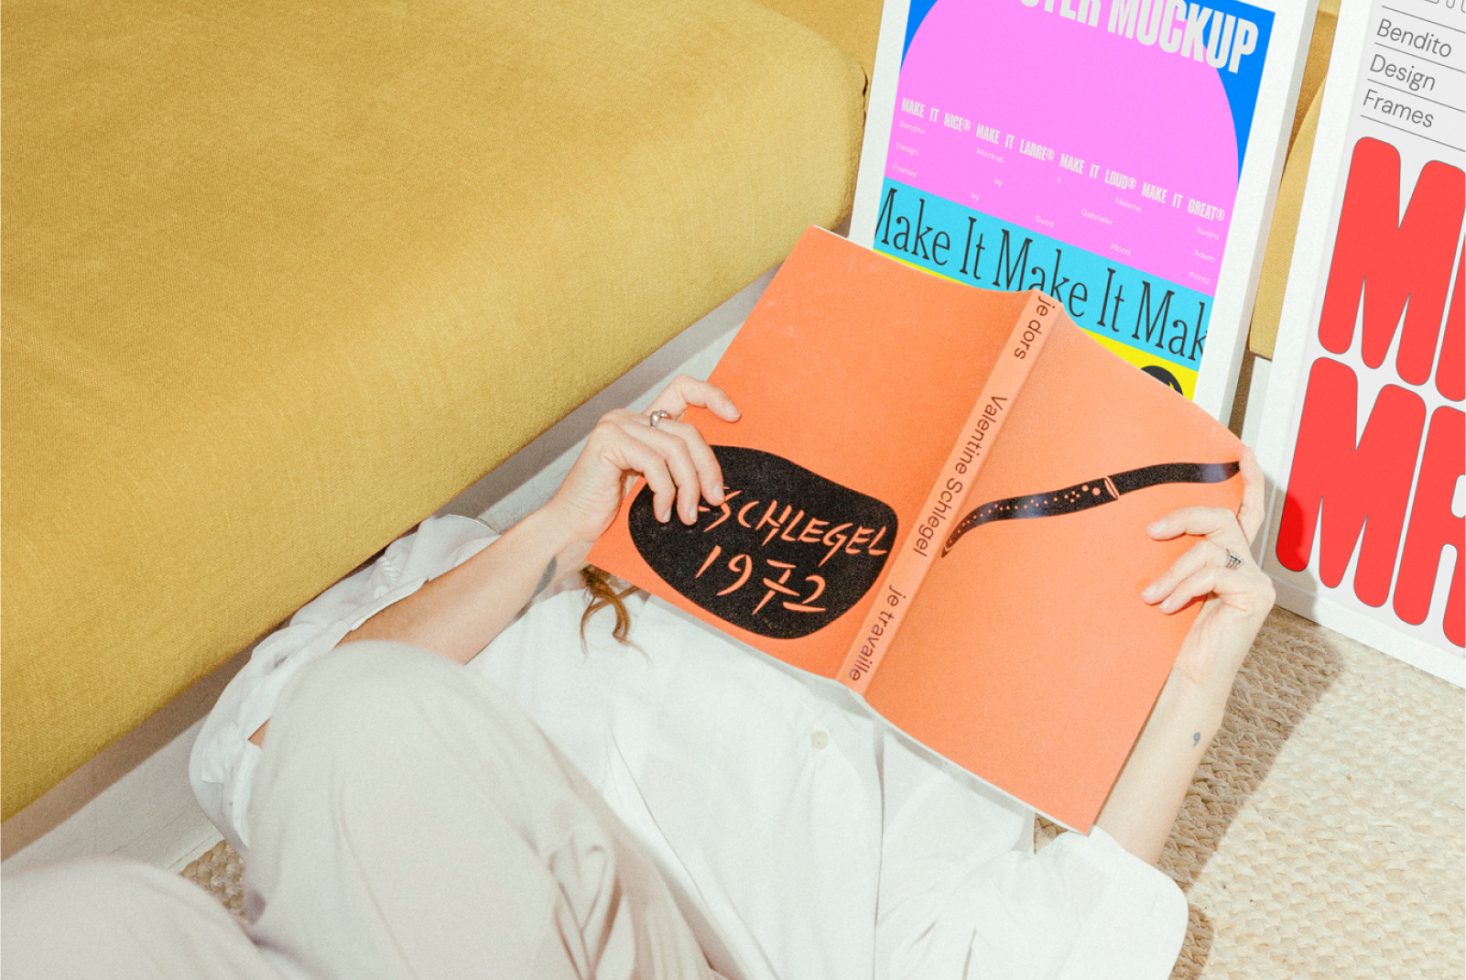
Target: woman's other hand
[(677, 462), (1235, 593), (1235, 597)]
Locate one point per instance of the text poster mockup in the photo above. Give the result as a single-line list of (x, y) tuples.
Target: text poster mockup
[(1363, 426)]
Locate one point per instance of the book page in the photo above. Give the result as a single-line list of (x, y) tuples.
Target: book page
[(853, 373), (1028, 657)]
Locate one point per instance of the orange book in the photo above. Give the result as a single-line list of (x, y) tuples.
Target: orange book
[(937, 495)]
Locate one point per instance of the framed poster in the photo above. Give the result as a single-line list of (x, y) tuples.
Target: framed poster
[(1362, 430), (1120, 155)]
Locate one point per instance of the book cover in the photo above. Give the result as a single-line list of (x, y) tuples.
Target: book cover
[(1362, 435), (1121, 156), (937, 495)]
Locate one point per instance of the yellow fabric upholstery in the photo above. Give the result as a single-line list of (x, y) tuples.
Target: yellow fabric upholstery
[(853, 25), (1267, 312), (1273, 280), (280, 279)]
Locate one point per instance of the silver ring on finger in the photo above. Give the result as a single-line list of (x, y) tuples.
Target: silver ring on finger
[(657, 417), (1234, 560)]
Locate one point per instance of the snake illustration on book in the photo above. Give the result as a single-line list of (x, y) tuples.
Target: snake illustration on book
[(1090, 493)]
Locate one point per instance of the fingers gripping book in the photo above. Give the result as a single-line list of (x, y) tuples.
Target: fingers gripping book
[(937, 495)]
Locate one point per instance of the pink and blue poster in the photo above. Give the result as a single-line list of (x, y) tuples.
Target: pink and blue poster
[(1097, 150)]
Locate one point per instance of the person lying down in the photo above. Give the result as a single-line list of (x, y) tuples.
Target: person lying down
[(449, 764)]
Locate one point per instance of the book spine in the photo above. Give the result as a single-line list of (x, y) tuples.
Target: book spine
[(909, 566)]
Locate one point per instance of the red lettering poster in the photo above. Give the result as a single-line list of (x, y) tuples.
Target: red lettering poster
[(1363, 432)]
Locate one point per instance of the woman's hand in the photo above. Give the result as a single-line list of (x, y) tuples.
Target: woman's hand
[(1236, 594), (678, 465), (459, 612), (1235, 597)]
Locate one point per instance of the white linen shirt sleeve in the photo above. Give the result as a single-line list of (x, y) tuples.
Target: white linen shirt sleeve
[(963, 894), (222, 762), (1083, 908)]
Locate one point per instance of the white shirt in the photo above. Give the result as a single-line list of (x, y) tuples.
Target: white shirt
[(801, 836)]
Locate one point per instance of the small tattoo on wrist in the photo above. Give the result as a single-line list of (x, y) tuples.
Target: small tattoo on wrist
[(1196, 738)]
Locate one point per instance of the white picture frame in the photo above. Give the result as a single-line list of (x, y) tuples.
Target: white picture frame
[(1341, 126), (1235, 288)]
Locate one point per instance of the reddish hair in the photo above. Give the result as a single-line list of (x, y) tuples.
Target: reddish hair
[(604, 595)]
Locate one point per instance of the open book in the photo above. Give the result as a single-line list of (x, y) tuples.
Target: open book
[(937, 495)]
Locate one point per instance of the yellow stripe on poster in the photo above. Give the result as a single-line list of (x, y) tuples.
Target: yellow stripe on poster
[(921, 268), (1177, 376)]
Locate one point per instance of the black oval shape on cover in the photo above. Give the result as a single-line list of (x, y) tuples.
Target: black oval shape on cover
[(786, 554)]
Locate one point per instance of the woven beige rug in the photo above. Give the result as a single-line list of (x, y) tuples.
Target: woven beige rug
[(1323, 836)]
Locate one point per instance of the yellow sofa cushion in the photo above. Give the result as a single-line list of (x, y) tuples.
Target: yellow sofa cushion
[(1267, 310), (853, 25), (280, 279)]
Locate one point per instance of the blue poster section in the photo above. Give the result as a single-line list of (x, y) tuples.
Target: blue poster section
[(1107, 298), (1241, 87), (914, 16)]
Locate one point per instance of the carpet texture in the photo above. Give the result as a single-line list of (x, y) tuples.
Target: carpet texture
[(1324, 835)]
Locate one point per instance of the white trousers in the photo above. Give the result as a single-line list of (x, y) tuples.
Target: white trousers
[(409, 820)]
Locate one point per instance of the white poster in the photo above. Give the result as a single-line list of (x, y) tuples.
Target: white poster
[(1363, 428)]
